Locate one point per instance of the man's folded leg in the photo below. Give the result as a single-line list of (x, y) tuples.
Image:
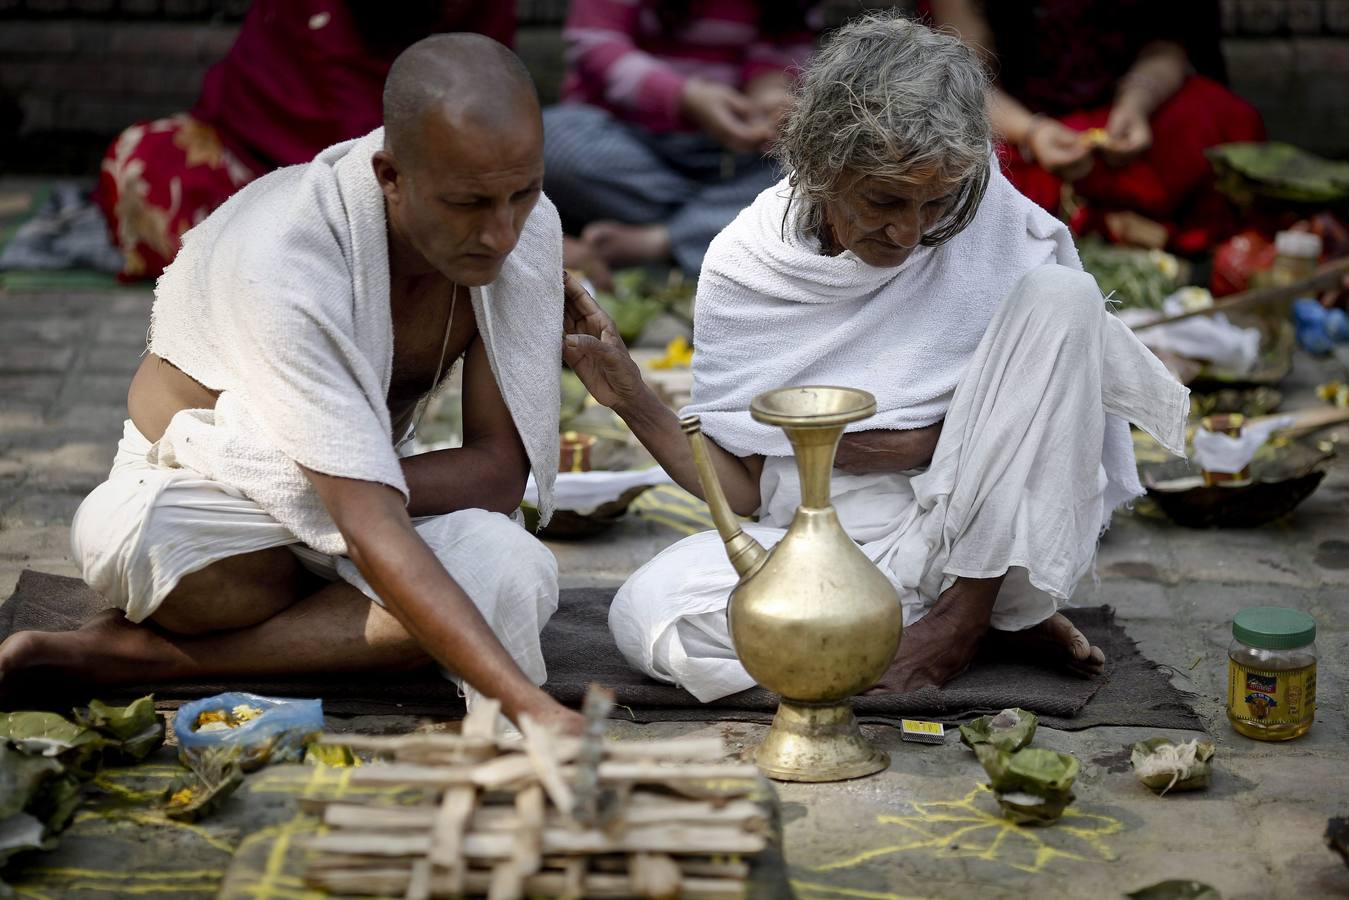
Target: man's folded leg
[(1019, 486), (509, 574), (221, 590), (669, 617)]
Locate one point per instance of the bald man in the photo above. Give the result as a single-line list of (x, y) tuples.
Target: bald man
[(258, 502)]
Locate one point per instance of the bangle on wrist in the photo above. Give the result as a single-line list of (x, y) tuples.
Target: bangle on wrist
[(1024, 146)]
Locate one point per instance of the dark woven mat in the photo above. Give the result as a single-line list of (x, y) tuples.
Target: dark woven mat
[(579, 649)]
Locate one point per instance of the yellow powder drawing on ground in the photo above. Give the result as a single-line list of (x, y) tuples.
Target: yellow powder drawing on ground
[(60, 881), (152, 819), (807, 890), (268, 880), (673, 507), (963, 829), (272, 881)]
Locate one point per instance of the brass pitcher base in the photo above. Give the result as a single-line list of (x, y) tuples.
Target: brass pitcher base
[(817, 742)]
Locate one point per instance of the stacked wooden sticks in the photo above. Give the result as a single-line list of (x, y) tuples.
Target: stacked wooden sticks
[(547, 816)]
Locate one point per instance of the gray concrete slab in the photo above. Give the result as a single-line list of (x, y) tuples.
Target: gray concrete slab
[(923, 828)]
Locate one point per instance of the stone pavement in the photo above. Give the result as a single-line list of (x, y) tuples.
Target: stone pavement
[(924, 828)]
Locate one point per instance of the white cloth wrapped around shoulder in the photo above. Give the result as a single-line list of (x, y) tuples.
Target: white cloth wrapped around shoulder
[(280, 300), (905, 333)]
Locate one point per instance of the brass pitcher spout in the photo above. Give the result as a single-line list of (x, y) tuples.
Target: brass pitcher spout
[(746, 554)]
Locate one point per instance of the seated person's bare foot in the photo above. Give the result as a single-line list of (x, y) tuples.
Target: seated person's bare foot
[(620, 244), (1055, 642), (943, 643), (107, 649)]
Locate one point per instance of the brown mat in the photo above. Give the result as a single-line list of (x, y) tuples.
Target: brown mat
[(579, 649)]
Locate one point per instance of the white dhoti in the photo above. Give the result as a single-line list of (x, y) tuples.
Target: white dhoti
[(280, 303), (137, 534), (1016, 486)]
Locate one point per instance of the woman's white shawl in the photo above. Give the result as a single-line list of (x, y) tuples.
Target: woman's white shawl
[(772, 311), (280, 300)]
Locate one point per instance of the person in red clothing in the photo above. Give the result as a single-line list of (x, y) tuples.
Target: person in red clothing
[(1120, 99), (667, 110), (301, 76)]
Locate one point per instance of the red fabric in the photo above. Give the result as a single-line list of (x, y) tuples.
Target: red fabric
[(1057, 56), (622, 56), (159, 179), (1172, 183), (1237, 259), (303, 75)]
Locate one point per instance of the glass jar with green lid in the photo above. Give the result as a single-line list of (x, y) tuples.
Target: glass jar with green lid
[(1271, 673)]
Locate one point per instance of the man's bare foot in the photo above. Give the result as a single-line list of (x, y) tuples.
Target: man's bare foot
[(620, 244), (105, 650), (1055, 642), (942, 644)]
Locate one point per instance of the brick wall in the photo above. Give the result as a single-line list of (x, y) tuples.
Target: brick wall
[(73, 75), (74, 72), (1291, 59), (1285, 17)]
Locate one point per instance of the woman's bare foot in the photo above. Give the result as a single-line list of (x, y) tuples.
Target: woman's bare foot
[(943, 643), (620, 244), (1055, 642), (107, 649)]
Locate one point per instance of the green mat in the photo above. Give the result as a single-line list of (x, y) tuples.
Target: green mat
[(37, 281)]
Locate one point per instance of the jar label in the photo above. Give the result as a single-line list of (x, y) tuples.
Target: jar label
[(1271, 698)]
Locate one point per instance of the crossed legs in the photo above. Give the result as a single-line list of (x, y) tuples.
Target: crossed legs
[(256, 614)]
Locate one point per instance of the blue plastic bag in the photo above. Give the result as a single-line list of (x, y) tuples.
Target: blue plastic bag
[(1314, 340), (278, 733), (1318, 328), (1336, 325), (1307, 312)]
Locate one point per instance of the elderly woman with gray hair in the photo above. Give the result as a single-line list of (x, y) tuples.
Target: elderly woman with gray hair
[(895, 257)]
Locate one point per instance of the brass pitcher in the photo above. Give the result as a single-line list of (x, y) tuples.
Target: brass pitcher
[(813, 619)]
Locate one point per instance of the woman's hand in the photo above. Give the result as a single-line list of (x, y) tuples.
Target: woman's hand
[(1129, 132), (729, 116), (771, 95), (594, 351), (1158, 72), (1058, 149)]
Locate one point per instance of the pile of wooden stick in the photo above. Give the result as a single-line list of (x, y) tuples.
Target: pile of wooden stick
[(547, 816)]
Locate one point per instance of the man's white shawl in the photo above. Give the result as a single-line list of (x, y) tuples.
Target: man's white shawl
[(771, 311), (280, 300)]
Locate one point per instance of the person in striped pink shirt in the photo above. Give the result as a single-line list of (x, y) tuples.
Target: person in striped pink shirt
[(668, 109)]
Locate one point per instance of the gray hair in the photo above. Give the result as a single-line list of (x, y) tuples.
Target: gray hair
[(891, 98)]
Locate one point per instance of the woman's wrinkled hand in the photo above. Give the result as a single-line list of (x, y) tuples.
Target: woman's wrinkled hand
[(1059, 150), (593, 350)]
